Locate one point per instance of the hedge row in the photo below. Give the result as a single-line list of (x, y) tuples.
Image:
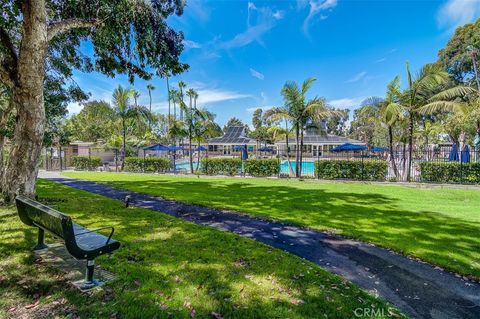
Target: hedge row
[(262, 167), (451, 172), (366, 170), (86, 162), (147, 164), (221, 166)]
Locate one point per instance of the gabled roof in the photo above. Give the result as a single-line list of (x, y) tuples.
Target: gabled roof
[(233, 135)]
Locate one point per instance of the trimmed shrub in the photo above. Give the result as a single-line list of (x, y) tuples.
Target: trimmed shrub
[(262, 167), (366, 170), (86, 162), (147, 165), (221, 166), (450, 172)]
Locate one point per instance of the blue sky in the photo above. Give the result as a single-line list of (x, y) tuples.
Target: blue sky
[(241, 52)]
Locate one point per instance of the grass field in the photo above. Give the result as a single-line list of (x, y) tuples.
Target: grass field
[(166, 268), (437, 225)]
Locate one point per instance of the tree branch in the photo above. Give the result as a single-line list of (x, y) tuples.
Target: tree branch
[(74, 23)]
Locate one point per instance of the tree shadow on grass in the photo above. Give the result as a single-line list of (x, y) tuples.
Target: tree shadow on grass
[(167, 267), (450, 242)]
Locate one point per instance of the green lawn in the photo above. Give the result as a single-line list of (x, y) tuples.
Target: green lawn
[(166, 268), (438, 225)]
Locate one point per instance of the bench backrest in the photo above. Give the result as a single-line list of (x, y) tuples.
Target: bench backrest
[(34, 213)]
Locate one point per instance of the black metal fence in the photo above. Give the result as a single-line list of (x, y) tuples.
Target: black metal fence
[(463, 168)]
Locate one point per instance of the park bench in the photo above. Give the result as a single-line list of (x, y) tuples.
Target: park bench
[(81, 243)]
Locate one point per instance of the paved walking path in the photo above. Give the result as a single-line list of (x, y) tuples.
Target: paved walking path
[(418, 289)]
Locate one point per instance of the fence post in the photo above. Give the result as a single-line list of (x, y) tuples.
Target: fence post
[(461, 169), (315, 172), (116, 160), (143, 166)]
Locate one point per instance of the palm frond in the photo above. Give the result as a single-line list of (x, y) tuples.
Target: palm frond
[(442, 106), (453, 93), (307, 84)]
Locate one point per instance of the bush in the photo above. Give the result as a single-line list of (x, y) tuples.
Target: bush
[(262, 167), (86, 162), (368, 170), (450, 172), (221, 166), (147, 164)]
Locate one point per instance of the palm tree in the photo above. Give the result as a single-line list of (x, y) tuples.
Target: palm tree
[(174, 94), (135, 95), (176, 130), (127, 113), (204, 127), (191, 94), (150, 88), (279, 114), (181, 86), (195, 97), (389, 111), (304, 113)]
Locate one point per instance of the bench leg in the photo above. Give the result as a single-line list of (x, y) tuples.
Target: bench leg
[(89, 281), (41, 240)]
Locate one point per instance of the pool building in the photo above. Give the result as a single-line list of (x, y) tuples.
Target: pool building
[(315, 143)]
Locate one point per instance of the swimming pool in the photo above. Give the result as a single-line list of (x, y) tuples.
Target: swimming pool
[(308, 168)]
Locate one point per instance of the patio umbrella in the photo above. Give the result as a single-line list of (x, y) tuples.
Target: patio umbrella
[(245, 153), (200, 149), (378, 149), (348, 147), (175, 148), (265, 149), (453, 156), (238, 148), (465, 155), (156, 147)]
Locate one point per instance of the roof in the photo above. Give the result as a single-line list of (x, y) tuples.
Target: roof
[(323, 139), (234, 135)]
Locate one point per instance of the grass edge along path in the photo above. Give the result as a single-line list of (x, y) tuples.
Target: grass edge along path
[(438, 225), (168, 268)]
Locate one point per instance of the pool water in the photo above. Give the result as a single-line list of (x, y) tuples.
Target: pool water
[(308, 168)]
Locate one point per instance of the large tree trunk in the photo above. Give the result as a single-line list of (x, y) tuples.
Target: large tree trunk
[(3, 123), (410, 148), (392, 153), (22, 168)]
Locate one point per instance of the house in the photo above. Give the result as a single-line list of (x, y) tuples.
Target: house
[(315, 143), (234, 137)]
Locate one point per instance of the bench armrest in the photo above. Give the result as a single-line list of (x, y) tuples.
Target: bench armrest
[(94, 230)]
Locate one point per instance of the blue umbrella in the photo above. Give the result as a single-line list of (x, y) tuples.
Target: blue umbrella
[(175, 148), (265, 149), (378, 149), (157, 147), (453, 156), (245, 153), (465, 155), (348, 147), (238, 148), (200, 149)]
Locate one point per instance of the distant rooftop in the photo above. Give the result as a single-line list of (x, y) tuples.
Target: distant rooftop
[(234, 135)]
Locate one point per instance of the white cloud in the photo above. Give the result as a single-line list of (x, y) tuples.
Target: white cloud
[(189, 44), (316, 8), (458, 12), (264, 20), (381, 60), (346, 102), (257, 74), (207, 96), (74, 108), (279, 14), (357, 77)]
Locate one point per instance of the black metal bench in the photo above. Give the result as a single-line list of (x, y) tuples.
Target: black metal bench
[(81, 243)]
